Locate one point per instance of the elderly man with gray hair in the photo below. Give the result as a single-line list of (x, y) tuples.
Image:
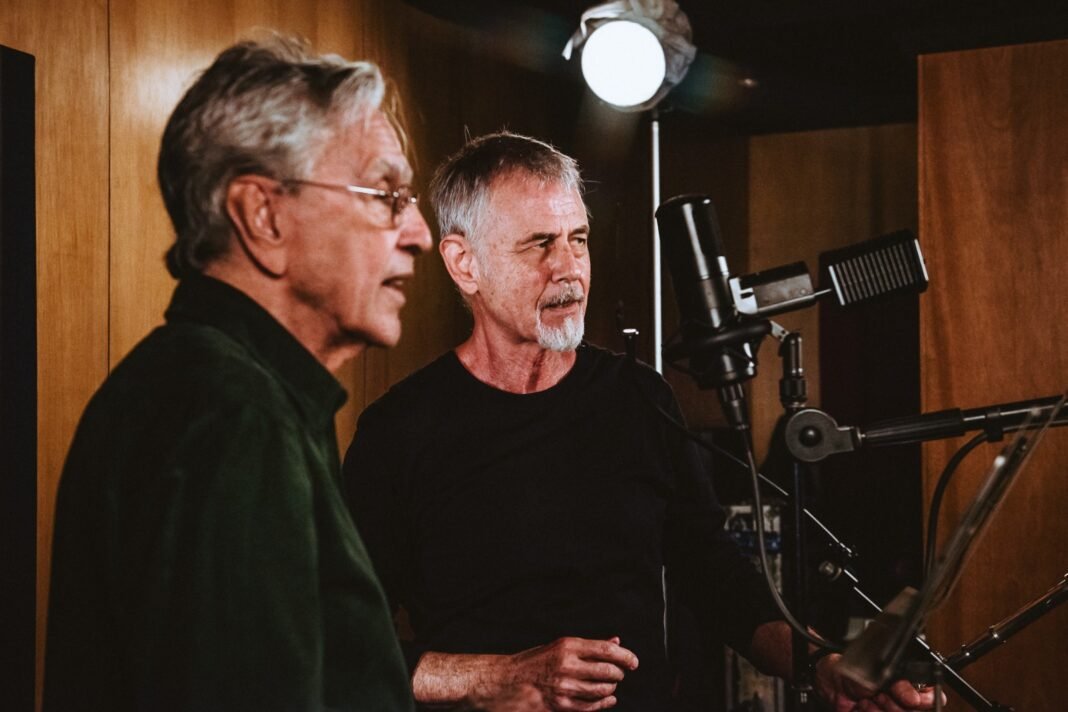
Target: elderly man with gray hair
[(203, 556), (522, 496)]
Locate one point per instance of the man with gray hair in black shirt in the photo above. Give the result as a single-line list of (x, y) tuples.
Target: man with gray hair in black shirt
[(526, 526)]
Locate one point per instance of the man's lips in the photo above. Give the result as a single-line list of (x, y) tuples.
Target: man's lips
[(564, 305), (566, 298), (398, 282)]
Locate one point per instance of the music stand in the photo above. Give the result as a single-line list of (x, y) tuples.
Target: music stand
[(877, 655)]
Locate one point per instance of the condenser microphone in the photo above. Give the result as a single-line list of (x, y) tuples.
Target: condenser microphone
[(693, 246), (693, 252), (715, 343), (723, 318)]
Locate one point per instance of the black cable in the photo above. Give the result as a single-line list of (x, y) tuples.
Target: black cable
[(713, 448), (939, 493), (758, 517), (758, 514)]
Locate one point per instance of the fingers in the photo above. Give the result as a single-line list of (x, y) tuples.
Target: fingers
[(901, 697), (582, 689), (906, 696), (598, 672), (847, 695), (570, 704), (574, 673), (881, 702), (581, 674), (609, 651), (581, 658)]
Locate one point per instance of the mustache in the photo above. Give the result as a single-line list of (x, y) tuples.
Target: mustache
[(573, 292)]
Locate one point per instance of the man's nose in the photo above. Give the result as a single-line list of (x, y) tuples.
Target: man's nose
[(567, 264), (415, 233)]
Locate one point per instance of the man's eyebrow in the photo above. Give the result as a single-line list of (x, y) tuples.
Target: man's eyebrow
[(537, 237), (547, 236)]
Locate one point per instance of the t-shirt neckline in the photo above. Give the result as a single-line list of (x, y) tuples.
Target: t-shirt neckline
[(564, 385)]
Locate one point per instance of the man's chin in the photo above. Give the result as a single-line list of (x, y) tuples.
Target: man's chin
[(383, 336), (386, 341), (563, 337)]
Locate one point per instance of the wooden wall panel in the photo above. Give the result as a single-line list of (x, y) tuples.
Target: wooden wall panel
[(152, 65), (156, 48), (811, 192), (993, 211), (69, 41)]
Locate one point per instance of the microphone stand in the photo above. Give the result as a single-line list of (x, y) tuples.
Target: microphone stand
[(793, 395), (793, 391), (812, 435), (836, 570)]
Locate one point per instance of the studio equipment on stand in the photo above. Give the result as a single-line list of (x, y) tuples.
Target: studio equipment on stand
[(881, 652), (999, 633), (723, 320), (813, 435), (892, 645)]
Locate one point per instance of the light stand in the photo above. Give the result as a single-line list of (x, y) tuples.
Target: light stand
[(658, 312), (633, 54)]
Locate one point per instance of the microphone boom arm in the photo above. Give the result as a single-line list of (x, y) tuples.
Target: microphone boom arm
[(812, 435)]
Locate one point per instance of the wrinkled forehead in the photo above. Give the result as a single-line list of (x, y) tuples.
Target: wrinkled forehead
[(536, 187), (527, 208), (370, 148)]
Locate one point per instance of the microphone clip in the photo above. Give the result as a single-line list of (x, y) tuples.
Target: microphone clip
[(718, 358)]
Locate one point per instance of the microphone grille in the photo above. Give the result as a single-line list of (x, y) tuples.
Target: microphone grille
[(883, 265)]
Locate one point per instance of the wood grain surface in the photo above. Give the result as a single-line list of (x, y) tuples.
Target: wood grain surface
[(69, 42), (993, 217)]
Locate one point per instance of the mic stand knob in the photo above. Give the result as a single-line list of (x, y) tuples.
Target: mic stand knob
[(812, 435)]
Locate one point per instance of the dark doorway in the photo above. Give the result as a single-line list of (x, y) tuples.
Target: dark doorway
[(18, 372)]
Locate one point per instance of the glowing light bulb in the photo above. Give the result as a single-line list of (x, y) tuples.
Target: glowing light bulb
[(623, 63)]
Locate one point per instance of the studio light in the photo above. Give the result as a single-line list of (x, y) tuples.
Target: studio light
[(633, 53), (623, 63)]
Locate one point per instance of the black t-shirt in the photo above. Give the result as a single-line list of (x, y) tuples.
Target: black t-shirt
[(504, 521)]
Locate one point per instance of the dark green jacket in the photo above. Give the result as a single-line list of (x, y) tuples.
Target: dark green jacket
[(203, 557)]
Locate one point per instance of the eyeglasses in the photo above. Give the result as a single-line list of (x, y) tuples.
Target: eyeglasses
[(399, 200)]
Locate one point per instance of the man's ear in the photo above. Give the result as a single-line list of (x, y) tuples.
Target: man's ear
[(461, 262), (251, 209)]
